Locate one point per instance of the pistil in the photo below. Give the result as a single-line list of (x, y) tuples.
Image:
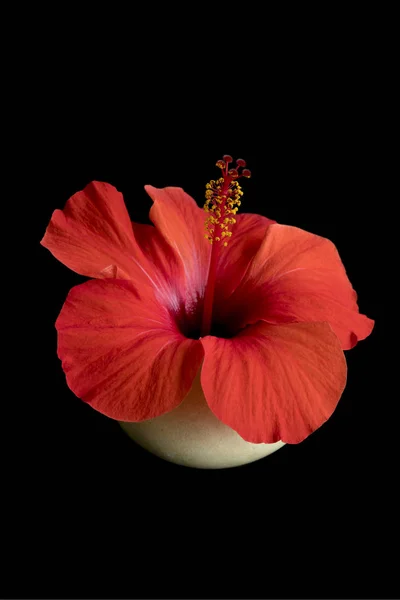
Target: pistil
[(222, 201)]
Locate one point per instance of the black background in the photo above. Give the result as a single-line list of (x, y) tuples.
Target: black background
[(89, 513)]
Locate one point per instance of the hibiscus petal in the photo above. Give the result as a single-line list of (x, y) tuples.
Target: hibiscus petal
[(93, 236), (248, 233), (122, 353), (170, 276), (170, 273), (181, 223), (297, 276), (274, 382), (317, 295)]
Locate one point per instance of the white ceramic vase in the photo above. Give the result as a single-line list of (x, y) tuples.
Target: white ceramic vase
[(192, 436)]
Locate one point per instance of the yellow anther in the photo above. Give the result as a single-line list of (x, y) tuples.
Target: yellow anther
[(223, 197)]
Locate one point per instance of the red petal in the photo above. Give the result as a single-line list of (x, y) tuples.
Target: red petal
[(175, 292), (181, 223), (168, 270), (317, 295), (274, 382), (297, 276), (122, 353), (248, 233), (93, 235)]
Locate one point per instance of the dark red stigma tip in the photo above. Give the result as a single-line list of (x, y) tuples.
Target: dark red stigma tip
[(240, 162), (227, 158), (246, 173)]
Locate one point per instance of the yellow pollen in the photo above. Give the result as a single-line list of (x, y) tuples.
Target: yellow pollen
[(223, 198)]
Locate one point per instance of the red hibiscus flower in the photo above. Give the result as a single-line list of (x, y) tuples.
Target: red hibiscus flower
[(264, 310)]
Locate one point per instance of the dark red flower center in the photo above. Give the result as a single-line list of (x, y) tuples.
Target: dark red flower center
[(190, 325)]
